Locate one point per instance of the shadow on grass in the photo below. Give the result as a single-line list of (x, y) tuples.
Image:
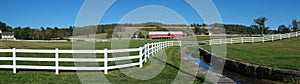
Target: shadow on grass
[(175, 67)]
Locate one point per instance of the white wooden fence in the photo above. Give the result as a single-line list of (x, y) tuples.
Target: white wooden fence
[(145, 52), (252, 39)]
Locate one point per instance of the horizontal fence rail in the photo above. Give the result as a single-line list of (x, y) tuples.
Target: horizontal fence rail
[(145, 52), (242, 40)]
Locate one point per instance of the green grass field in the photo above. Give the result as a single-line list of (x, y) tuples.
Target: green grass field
[(279, 54), (167, 75)]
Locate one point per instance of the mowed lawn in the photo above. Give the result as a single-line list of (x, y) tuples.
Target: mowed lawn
[(279, 54), (167, 75)]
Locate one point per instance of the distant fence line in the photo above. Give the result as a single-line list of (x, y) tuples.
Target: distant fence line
[(252, 39), (145, 52)]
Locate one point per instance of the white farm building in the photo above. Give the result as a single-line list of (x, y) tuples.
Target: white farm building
[(7, 35)]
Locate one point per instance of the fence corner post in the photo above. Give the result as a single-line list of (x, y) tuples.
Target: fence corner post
[(263, 39), (105, 61), (14, 61), (56, 61), (141, 57)]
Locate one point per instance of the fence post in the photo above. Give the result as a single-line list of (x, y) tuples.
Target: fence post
[(145, 52), (141, 57), (156, 47), (180, 43), (14, 61), (252, 39), (164, 45), (272, 38), (263, 39), (56, 62), (168, 44), (296, 34), (105, 61), (152, 49), (159, 44), (242, 40), (280, 37), (172, 43), (289, 35), (231, 42), (210, 42)]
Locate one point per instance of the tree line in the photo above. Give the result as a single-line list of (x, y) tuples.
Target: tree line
[(42, 33), (48, 33), (258, 28)]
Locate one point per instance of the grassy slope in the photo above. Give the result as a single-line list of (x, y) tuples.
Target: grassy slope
[(281, 54), (115, 76)]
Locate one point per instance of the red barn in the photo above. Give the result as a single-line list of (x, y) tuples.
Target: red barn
[(165, 35)]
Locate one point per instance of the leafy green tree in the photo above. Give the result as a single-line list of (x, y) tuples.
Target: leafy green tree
[(261, 22), (203, 30), (49, 33), (255, 29), (133, 36), (109, 34), (281, 29), (289, 29), (42, 33), (295, 25), (140, 35), (3, 26), (71, 28), (196, 30)]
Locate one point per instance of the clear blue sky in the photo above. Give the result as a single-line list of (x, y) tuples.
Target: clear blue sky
[(63, 13)]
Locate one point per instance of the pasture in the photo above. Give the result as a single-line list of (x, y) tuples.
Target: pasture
[(115, 76), (279, 54)]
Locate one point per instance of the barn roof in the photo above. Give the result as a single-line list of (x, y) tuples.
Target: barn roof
[(165, 32), (7, 33)]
